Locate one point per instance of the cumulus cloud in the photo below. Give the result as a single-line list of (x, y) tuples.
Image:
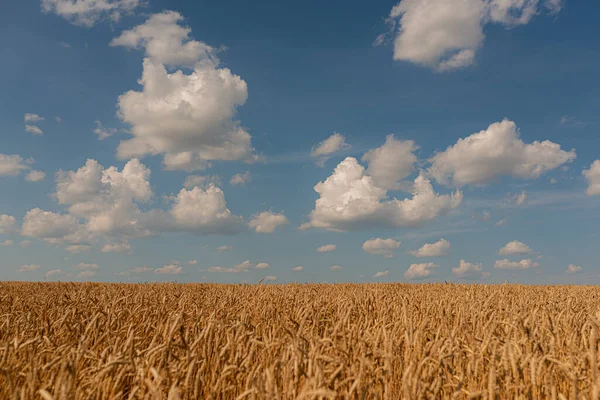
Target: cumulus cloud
[(171, 269), (446, 34), (28, 268), (103, 132), (135, 271), (35, 176), (327, 248), (466, 269), (592, 175), (31, 117), (12, 165), (122, 247), (193, 262), (84, 266), (437, 249), (298, 268), (384, 247), (86, 274), (350, 200), (271, 278), (53, 227), (78, 248), (420, 271), (513, 248), (381, 273), (391, 162), (329, 146), (523, 264), (53, 272), (221, 249), (201, 181), (241, 179), (187, 117), (573, 269), (244, 266), (34, 129), (262, 265), (494, 152), (335, 268), (501, 222), (7, 223), (88, 12), (520, 198), (267, 221)]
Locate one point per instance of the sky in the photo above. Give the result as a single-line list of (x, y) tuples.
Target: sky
[(229, 142)]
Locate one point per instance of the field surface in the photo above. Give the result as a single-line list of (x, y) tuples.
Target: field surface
[(368, 341)]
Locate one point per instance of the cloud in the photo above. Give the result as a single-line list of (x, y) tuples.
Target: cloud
[(570, 121), (84, 266), (592, 175), (335, 268), (201, 181), (88, 12), (33, 129), (78, 248), (520, 198), (12, 165), (446, 34), (350, 200), (381, 273), (30, 117), (193, 262), (135, 271), (391, 162), (267, 221), (221, 249), (329, 146), (513, 248), (58, 119), (271, 278), (53, 227), (103, 132), (25, 243), (494, 152), (35, 176), (7, 243), (419, 271), (298, 268), (501, 222), (7, 223), (189, 118), (437, 249), (241, 179), (28, 268), (86, 274), (327, 248), (52, 272), (523, 264), (380, 246), (262, 265), (123, 247), (170, 269), (466, 269), (573, 269), (244, 266)]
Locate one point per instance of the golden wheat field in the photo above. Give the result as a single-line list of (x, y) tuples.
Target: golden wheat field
[(298, 341)]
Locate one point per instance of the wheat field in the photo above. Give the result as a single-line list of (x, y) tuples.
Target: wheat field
[(298, 341)]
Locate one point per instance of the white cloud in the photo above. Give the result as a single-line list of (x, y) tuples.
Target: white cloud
[(570, 121), (52, 272), (446, 34), (135, 271), (592, 176), (521, 198), (78, 248), (221, 249), (241, 179), (12, 165), (329, 146), (170, 269), (501, 222), (58, 119), (34, 129), (381, 246), (350, 200), (467, 269), (28, 268), (193, 262), (523, 264), (262, 265), (244, 266), (513, 248), (120, 247), (201, 181), (103, 132), (271, 278), (494, 152), (298, 268), (381, 273), (88, 12), (391, 162), (31, 117), (335, 268), (437, 249), (573, 269), (7, 243), (35, 176), (267, 221), (53, 227), (7, 223), (86, 274), (83, 266), (327, 248), (419, 271), (187, 117)]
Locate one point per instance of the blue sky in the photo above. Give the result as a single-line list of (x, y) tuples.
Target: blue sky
[(122, 124)]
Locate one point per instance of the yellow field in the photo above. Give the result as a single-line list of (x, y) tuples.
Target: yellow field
[(371, 341)]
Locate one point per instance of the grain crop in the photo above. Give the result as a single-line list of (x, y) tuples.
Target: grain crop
[(298, 341)]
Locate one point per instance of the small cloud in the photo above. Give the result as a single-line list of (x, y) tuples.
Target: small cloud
[(78, 248), (241, 179), (573, 269), (329, 146), (7, 243), (116, 247), (86, 274), (523, 264), (327, 248), (513, 248), (25, 243), (53, 272), (201, 181), (84, 266), (553, 181), (570, 121), (379, 246), (420, 271), (467, 269), (501, 222), (221, 249), (381, 273), (29, 268), (335, 268), (520, 198), (35, 176), (58, 119), (103, 132), (271, 278), (193, 262), (298, 268), (135, 271), (262, 265), (171, 269), (30, 117), (267, 221), (437, 249), (33, 129), (65, 45)]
